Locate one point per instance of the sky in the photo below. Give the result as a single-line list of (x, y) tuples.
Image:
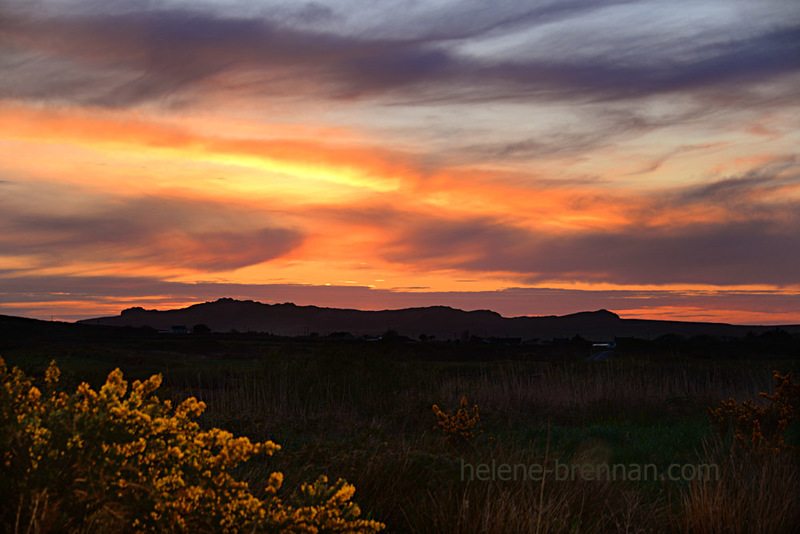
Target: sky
[(532, 158)]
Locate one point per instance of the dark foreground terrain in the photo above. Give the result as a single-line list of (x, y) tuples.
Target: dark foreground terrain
[(362, 410)]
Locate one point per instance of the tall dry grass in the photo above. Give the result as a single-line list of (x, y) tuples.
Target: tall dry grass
[(756, 493), (586, 390), (370, 422), (514, 393)]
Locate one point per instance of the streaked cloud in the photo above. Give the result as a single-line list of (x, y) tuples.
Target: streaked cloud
[(753, 221), (631, 153), (128, 57), (165, 232)]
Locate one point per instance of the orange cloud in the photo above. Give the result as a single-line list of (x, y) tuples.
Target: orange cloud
[(323, 160), (304, 210), (711, 315)]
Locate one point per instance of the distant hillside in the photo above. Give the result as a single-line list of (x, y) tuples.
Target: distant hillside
[(226, 315)]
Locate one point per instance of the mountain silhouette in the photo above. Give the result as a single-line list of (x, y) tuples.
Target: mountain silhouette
[(226, 314)]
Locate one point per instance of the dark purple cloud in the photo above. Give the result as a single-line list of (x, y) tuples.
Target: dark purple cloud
[(198, 235), (743, 192), (123, 59), (696, 253), (754, 238)]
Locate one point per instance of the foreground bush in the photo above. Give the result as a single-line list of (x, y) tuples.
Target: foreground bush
[(102, 461), (762, 427), (457, 428)]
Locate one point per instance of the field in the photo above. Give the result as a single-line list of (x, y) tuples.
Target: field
[(363, 412)]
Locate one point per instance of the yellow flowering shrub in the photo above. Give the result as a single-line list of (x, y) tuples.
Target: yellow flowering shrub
[(762, 427), (120, 460), (459, 427)]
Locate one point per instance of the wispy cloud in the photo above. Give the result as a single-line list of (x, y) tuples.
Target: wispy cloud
[(755, 222), (123, 59), (150, 231), (726, 254), (555, 144)]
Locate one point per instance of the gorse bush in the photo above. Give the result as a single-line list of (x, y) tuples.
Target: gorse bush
[(116, 460), (762, 427), (458, 428)]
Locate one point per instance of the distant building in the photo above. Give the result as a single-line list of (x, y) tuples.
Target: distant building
[(342, 336), (601, 351), (507, 341), (178, 329)]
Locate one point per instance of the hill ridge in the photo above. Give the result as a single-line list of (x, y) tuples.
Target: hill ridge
[(444, 322)]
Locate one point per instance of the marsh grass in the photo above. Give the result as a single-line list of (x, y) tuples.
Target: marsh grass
[(756, 493), (364, 417), (370, 422)]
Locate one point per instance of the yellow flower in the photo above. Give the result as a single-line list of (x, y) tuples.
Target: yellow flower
[(457, 427), (134, 456)]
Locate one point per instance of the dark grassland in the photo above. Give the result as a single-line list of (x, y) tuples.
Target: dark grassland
[(362, 411)]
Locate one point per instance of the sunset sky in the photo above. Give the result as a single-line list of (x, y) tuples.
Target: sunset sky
[(529, 157)]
